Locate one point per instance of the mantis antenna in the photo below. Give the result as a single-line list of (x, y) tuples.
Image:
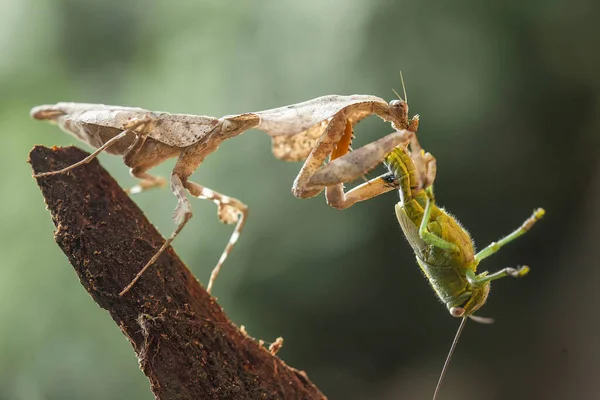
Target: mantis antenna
[(404, 88), (396, 93), (454, 343)]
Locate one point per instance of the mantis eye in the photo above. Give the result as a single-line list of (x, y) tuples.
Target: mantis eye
[(399, 108), (457, 311), (397, 104)]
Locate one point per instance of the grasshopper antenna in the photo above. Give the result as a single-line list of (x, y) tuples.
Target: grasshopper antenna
[(445, 368)]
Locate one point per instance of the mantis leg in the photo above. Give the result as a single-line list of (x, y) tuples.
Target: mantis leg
[(99, 150), (354, 165), (153, 259), (142, 155), (424, 233), (147, 181), (332, 134), (495, 246), (230, 210), (372, 188), (405, 177), (314, 177)]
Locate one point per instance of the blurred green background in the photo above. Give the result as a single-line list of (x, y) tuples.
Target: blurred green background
[(508, 93)]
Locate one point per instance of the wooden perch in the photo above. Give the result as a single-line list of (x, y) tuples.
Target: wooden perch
[(186, 345)]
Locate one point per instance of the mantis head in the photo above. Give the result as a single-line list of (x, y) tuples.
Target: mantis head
[(399, 112), (399, 109)]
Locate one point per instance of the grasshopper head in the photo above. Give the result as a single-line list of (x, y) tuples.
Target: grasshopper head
[(471, 301)]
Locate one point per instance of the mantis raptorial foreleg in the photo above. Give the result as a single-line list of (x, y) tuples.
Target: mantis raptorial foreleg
[(314, 177), (345, 167), (315, 130), (354, 165), (368, 190), (335, 130)]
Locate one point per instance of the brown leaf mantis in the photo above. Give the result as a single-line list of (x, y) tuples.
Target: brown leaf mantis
[(310, 131), (443, 248)]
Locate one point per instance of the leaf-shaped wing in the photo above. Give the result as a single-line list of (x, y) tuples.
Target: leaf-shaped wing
[(180, 130), (297, 128), (297, 147)]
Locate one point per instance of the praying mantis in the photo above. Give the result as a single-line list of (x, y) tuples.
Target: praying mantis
[(311, 131), (318, 132), (443, 248)]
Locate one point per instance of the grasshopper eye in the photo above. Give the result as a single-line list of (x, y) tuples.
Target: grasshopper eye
[(457, 312)]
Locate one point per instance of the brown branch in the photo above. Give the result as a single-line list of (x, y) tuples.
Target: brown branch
[(186, 346)]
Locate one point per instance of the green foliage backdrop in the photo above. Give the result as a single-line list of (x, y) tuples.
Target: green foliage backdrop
[(508, 93)]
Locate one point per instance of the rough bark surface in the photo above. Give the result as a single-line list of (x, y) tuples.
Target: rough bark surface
[(186, 345)]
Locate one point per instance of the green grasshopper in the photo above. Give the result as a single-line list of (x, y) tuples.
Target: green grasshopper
[(443, 248)]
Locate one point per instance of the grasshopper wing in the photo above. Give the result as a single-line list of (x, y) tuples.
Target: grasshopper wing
[(411, 232)]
